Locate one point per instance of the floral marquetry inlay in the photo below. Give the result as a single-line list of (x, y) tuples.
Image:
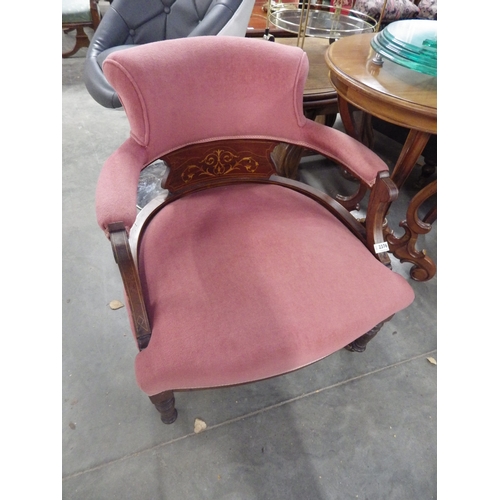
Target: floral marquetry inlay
[(218, 162)]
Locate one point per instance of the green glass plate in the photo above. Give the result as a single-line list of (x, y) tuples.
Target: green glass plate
[(410, 43)]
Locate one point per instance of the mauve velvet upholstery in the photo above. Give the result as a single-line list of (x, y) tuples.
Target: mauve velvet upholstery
[(247, 281), (250, 281), (184, 91)]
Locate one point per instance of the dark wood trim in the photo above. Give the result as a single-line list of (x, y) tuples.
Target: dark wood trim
[(221, 163), (130, 276)]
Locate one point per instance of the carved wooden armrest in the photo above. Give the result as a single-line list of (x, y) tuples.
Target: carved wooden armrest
[(130, 276), (383, 193)]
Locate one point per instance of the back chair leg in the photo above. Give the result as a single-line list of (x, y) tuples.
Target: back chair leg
[(359, 345), (165, 404)]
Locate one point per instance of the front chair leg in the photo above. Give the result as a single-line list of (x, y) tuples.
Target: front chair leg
[(359, 345), (165, 404)]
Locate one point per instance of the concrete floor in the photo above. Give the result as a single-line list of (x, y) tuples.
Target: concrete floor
[(353, 426)]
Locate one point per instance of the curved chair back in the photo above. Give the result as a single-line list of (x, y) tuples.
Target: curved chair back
[(128, 23), (214, 103)]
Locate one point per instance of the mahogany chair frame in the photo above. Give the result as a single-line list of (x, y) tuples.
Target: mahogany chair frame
[(239, 161)]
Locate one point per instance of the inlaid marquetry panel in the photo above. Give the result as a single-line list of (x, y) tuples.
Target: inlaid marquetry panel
[(218, 162)]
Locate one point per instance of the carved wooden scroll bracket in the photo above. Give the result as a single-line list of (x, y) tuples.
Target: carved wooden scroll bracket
[(404, 247)]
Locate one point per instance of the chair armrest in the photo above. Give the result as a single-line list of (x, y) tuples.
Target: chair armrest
[(116, 192), (355, 157), (130, 277)]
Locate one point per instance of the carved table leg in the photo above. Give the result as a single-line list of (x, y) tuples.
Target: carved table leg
[(287, 158), (404, 248), (165, 404), (359, 345), (412, 149), (363, 132), (352, 201)]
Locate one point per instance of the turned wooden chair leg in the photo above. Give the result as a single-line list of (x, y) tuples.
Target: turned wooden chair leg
[(359, 345), (165, 404)]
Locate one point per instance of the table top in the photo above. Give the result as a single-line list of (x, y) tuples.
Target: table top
[(391, 92)]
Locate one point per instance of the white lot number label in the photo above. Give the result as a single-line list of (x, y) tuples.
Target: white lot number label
[(381, 247)]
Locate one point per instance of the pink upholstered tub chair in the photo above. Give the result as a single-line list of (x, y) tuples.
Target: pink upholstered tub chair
[(237, 274)]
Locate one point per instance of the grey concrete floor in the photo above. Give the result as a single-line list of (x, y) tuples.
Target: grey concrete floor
[(352, 426)]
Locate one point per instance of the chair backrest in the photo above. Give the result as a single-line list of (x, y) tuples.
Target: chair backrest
[(182, 92), (212, 104), (136, 22)]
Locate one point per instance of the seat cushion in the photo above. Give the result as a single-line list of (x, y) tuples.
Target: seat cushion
[(250, 281)]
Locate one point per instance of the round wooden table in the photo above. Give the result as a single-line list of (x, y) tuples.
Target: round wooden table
[(400, 96)]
